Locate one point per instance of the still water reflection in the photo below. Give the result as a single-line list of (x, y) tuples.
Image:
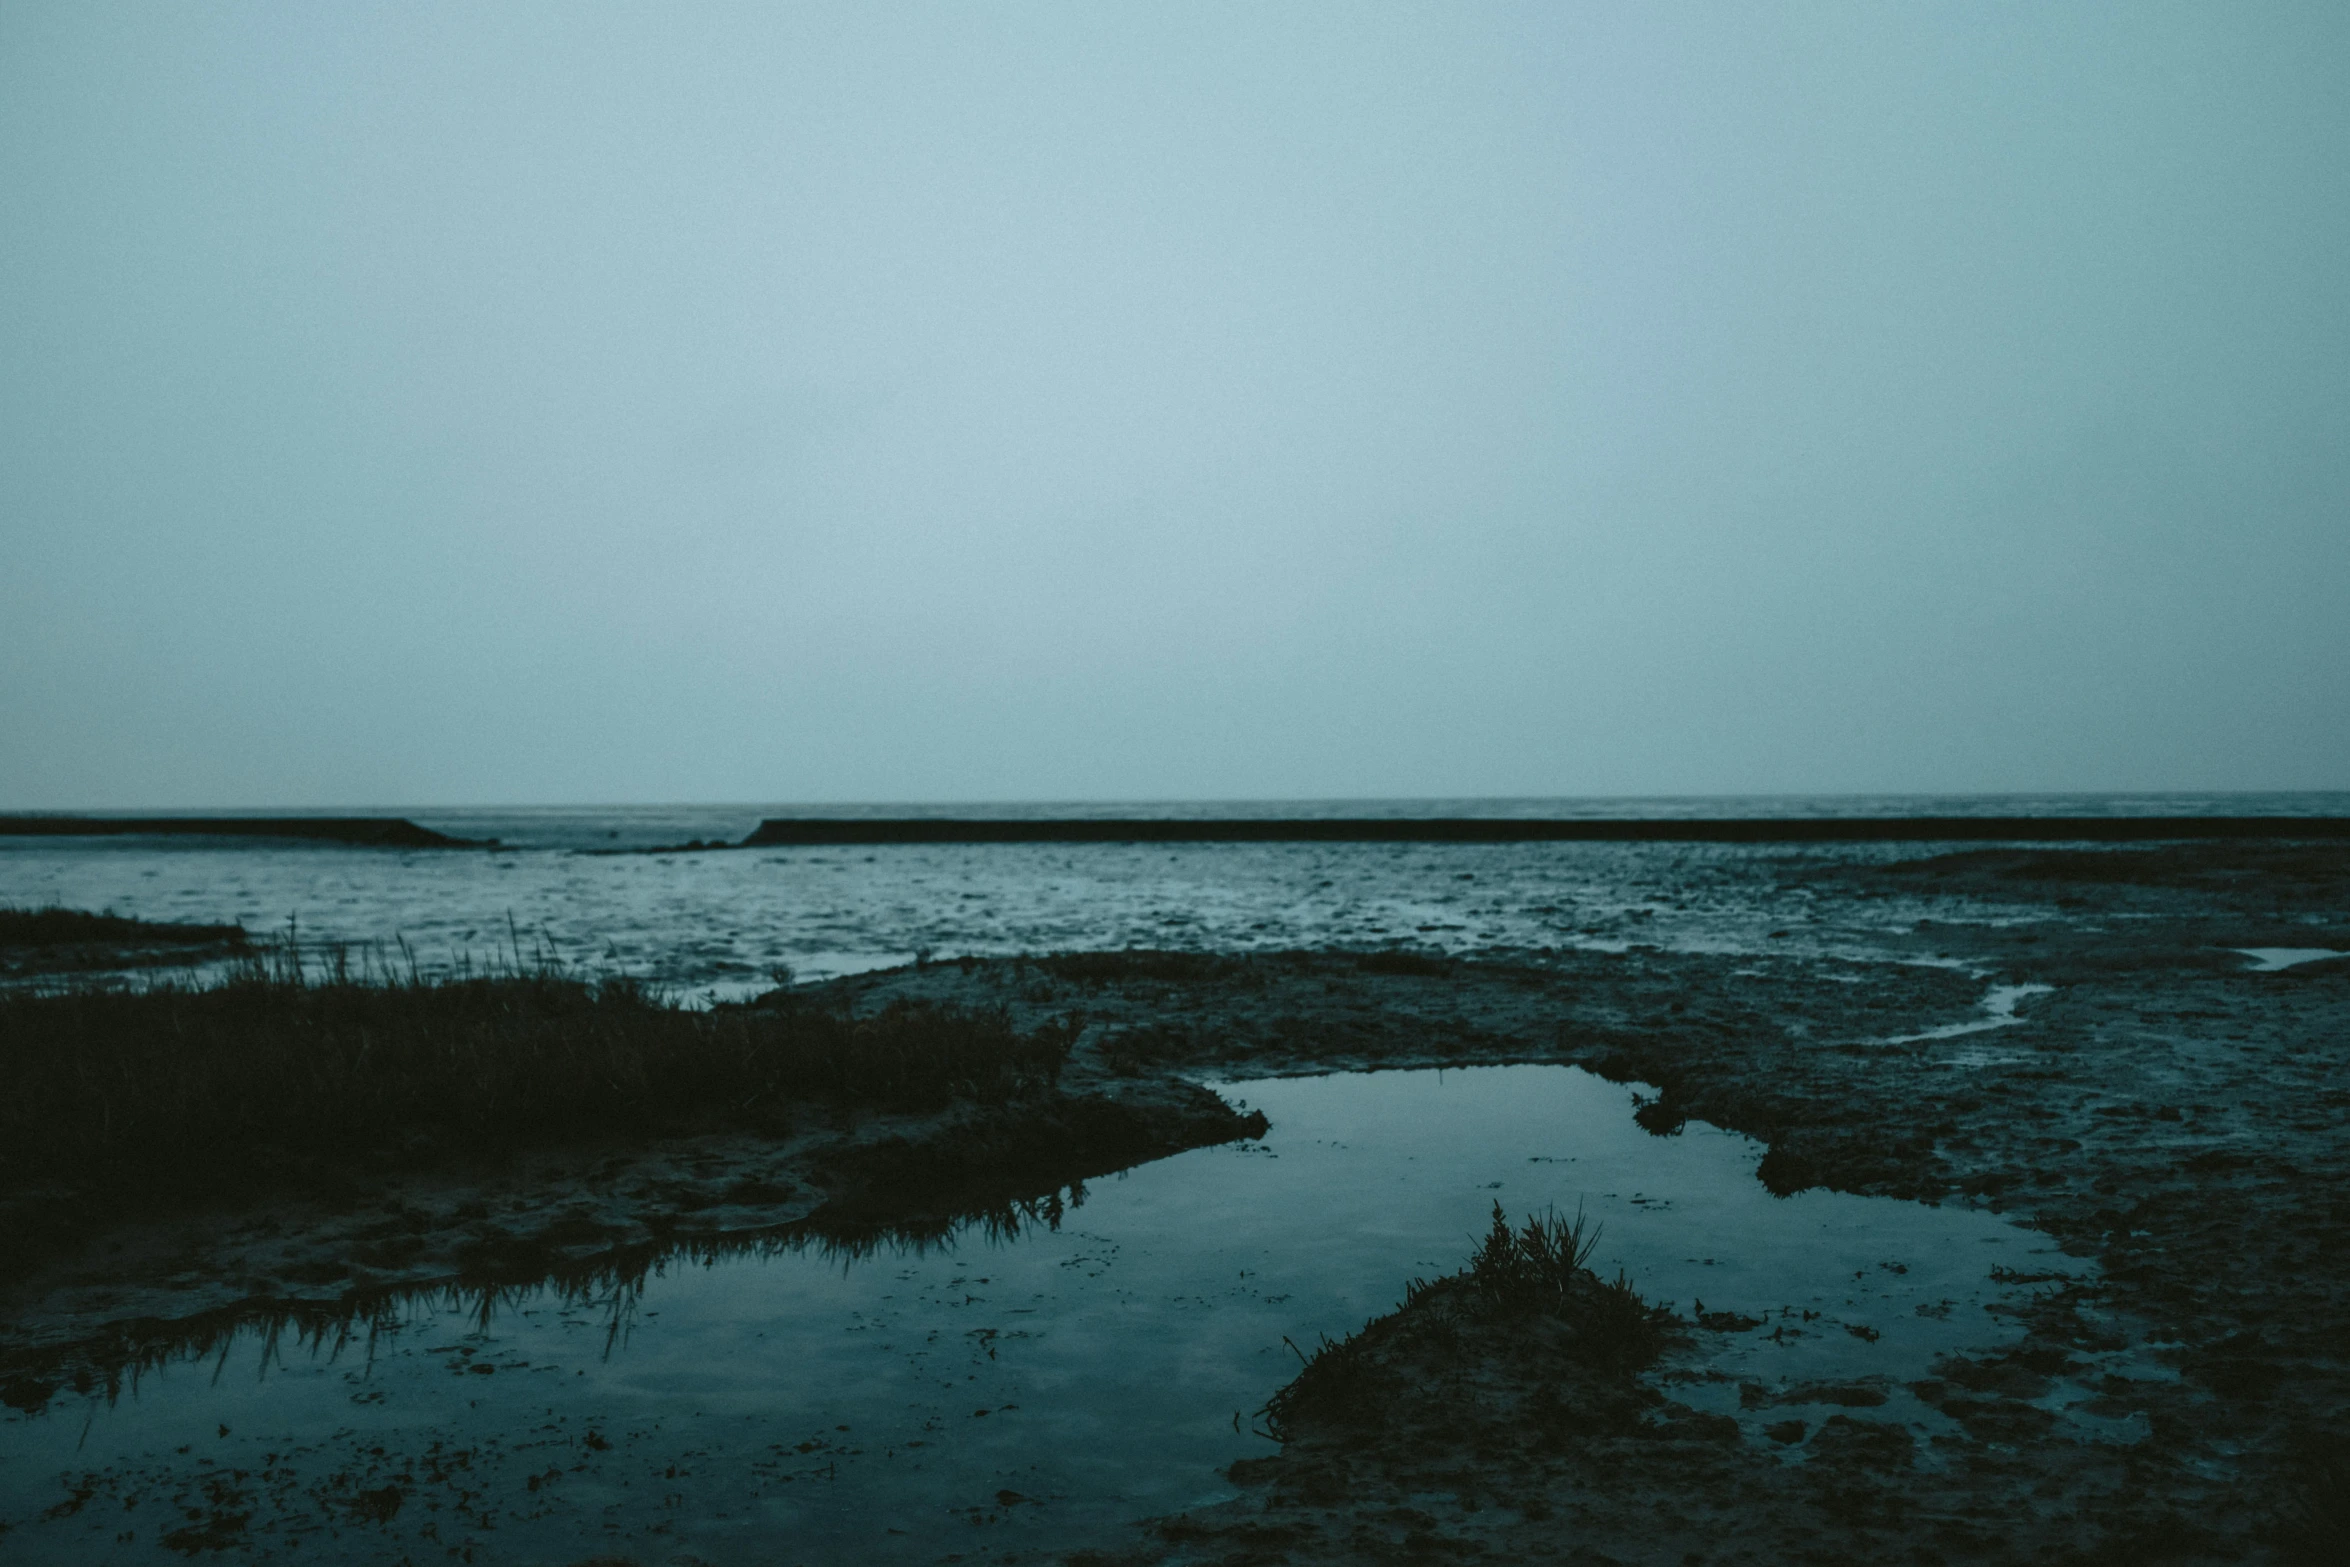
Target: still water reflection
[(994, 1394)]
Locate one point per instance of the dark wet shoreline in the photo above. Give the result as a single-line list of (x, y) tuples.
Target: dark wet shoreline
[(390, 832)]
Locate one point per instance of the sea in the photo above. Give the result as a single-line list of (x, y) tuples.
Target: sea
[(609, 890)]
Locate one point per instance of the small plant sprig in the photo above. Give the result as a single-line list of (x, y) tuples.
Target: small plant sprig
[(1536, 1264)]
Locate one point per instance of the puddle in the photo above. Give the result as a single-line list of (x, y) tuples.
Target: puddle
[(2267, 960), (1999, 1006), (1014, 1393)]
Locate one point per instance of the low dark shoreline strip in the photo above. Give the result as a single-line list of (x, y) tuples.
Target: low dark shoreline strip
[(392, 832), (808, 831)]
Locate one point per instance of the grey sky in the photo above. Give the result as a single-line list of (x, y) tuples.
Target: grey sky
[(508, 403)]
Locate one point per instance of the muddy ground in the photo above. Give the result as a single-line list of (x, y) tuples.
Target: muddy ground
[(2162, 1107), (2159, 1105)]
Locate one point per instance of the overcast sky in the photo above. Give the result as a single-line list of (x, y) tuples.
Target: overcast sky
[(485, 404)]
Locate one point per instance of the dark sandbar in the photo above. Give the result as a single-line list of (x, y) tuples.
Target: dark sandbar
[(806, 831)]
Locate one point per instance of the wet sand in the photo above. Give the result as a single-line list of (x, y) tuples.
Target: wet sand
[(2077, 1038)]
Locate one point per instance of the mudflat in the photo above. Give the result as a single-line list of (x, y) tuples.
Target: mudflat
[(2146, 1085), (2142, 1051)]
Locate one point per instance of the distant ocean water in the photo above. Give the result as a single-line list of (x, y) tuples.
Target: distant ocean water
[(578, 883)]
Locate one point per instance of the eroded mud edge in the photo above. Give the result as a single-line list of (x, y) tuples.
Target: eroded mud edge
[(578, 1220)]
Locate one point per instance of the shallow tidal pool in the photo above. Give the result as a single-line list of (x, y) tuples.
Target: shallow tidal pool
[(1006, 1392)]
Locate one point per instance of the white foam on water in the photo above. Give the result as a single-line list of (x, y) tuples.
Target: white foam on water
[(1999, 1011)]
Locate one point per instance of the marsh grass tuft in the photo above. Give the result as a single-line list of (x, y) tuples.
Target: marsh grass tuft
[(299, 1067), (1528, 1283), (1543, 1268), (53, 939), (1535, 1265), (52, 926)]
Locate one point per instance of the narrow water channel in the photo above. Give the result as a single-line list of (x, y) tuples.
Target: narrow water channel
[(1002, 1393)]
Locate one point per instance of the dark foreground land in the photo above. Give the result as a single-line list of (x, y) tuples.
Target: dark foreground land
[(2162, 1107), (303, 1147)]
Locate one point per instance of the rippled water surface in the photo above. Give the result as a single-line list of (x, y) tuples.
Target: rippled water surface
[(579, 883), (1041, 1389)]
